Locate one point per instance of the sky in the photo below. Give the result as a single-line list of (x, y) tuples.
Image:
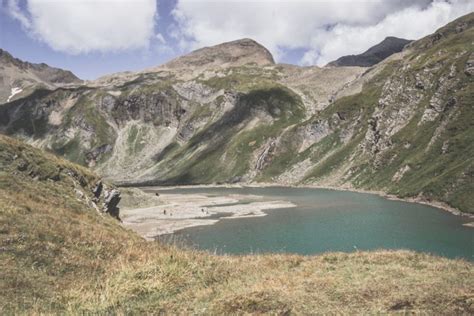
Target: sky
[(98, 37)]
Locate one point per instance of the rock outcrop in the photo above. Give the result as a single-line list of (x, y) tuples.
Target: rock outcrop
[(111, 201), (469, 70)]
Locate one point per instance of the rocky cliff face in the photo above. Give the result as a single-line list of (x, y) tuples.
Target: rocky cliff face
[(19, 78), (229, 114)]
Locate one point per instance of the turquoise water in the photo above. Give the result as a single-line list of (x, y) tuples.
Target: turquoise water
[(328, 220)]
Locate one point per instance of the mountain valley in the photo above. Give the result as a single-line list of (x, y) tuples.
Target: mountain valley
[(229, 114), (212, 184)]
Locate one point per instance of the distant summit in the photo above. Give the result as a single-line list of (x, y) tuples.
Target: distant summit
[(373, 55), (235, 53), (19, 78)]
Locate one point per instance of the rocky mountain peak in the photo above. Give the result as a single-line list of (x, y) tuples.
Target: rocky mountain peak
[(229, 54), (19, 78), (389, 46), (42, 71)]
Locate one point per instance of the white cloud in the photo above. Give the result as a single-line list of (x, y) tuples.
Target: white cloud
[(82, 26), (326, 29), (161, 46), (160, 38), (409, 23), (13, 8)]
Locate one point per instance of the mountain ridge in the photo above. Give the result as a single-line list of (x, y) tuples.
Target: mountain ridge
[(20, 78), (389, 128), (375, 54)]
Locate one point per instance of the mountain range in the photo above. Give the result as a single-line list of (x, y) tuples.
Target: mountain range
[(397, 118)]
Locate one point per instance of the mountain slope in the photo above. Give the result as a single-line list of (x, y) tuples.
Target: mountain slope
[(125, 125), (403, 126), (389, 46), (418, 139), (230, 54), (19, 78), (59, 255)]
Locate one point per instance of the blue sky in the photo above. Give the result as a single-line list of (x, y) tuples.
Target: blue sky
[(21, 44), (97, 37)]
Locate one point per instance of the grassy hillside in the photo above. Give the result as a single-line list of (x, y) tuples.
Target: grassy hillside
[(59, 255), (411, 127)]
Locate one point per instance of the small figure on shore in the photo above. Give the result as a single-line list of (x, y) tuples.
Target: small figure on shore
[(164, 212), (202, 210), (157, 194)]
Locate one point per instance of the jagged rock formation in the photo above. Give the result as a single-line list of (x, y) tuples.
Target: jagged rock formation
[(228, 114), (19, 78), (389, 46)]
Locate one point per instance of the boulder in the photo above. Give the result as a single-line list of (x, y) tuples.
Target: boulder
[(111, 200), (97, 190), (469, 70)]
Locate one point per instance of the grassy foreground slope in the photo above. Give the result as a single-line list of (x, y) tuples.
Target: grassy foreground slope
[(58, 254)]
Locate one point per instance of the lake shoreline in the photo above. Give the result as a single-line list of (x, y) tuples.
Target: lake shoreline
[(153, 220), (174, 212), (436, 204)]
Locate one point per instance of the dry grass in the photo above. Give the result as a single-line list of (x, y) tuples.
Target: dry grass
[(179, 281), (57, 255)]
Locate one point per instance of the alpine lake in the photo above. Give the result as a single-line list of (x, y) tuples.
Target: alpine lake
[(326, 220)]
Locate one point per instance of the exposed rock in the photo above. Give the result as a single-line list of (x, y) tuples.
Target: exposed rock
[(97, 190), (192, 90), (111, 201), (79, 194), (319, 87), (22, 165), (442, 100), (419, 84), (400, 173), (313, 133), (429, 115), (96, 153), (469, 70), (265, 156), (445, 147)]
